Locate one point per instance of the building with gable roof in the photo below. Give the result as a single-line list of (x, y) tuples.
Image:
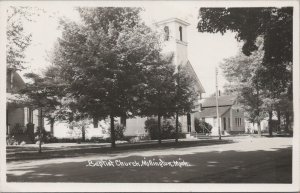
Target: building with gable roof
[(231, 116), (175, 42), (18, 116), (174, 32)]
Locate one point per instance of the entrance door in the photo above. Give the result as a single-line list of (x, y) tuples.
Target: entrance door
[(224, 120), (189, 122)]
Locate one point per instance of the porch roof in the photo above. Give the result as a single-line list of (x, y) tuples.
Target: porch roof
[(225, 100), (212, 112)]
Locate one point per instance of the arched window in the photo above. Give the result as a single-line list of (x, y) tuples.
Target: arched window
[(180, 32), (167, 33)]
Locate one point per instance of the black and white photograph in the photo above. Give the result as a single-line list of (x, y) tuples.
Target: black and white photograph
[(149, 96)]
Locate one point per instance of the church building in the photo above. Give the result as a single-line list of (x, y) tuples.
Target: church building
[(174, 32)]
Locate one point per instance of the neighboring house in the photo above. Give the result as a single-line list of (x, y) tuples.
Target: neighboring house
[(18, 116), (231, 117), (175, 42), (15, 115)]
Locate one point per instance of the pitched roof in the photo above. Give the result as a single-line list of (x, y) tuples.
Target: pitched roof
[(172, 20), (212, 112), (226, 100), (191, 69), (14, 81)]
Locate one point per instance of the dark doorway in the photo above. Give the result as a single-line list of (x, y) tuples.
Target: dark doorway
[(224, 119), (189, 122)]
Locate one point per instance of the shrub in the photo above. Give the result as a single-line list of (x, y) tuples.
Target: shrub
[(135, 139), (202, 126), (275, 125), (40, 134), (67, 140), (10, 140), (98, 140), (181, 136), (168, 130), (119, 131), (47, 137)]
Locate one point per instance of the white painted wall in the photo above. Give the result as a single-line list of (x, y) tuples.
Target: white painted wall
[(237, 113), (254, 127), (174, 45), (135, 126)]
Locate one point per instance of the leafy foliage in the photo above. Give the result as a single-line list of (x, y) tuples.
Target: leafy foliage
[(42, 91), (79, 127), (17, 38), (119, 131), (274, 25), (241, 73), (202, 126), (160, 91), (104, 58), (46, 137), (186, 91), (262, 75), (112, 66), (167, 128)]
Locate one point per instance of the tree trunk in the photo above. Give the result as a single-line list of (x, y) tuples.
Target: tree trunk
[(159, 128), (123, 121), (112, 131), (52, 126), (83, 133), (40, 127), (258, 110), (95, 122), (176, 134), (279, 121), (40, 143), (258, 128), (287, 121), (270, 124), (40, 121)]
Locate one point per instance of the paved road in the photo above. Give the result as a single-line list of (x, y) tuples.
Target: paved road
[(248, 160)]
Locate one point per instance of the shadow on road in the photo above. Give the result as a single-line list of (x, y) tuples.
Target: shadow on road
[(15, 153), (273, 166)]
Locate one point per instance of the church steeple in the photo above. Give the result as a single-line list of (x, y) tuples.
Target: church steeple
[(175, 38)]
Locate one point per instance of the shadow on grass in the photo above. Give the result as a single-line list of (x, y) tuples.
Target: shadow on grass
[(206, 167), (30, 153)]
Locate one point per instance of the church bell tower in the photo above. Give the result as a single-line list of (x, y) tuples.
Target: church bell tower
[(175, 38)]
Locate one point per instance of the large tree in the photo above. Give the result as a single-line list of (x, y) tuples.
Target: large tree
[(275, 26), (103, 58), (158, 96), (42, 93), (18, 39), (185, 96), (241, 74)]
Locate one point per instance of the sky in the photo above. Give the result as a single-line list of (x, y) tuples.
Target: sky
[(205, 50)]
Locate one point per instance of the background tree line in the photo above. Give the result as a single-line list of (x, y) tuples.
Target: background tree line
[(261, 74)]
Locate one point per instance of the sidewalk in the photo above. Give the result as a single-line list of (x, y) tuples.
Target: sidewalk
[(62, 150)]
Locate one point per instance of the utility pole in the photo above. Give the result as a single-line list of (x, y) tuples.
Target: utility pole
[(217, 104)]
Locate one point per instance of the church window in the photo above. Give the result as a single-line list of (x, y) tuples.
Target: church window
[(167, 33), (180, 32)]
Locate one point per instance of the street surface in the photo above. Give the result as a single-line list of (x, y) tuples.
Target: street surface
[(247, 160)]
